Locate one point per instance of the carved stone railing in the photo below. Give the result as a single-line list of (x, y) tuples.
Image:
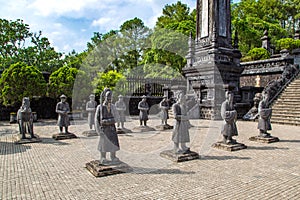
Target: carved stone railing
[(274, 89), (268, 65), (274, 98)]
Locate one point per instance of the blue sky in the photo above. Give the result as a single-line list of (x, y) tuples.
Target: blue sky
[(69, 24)]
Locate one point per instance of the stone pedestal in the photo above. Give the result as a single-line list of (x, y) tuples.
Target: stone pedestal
[(100, 170), (143, 129), (163, 127), (229, 147), (18, 139), (90, 133), (269, 139), (123, 131), (64, 136), (169, 154)]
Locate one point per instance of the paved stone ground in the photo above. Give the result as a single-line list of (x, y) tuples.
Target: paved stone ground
[(56, 169)]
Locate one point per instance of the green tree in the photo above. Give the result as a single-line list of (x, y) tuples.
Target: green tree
[(134, 36), (62, 81), (251, 17), (13, 36), (18, 44), (21, 80), (178, 17), (112, 79)]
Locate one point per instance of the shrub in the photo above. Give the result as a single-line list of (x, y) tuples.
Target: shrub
[(111, 79), (286, 43), (21, 80), (259, 54)]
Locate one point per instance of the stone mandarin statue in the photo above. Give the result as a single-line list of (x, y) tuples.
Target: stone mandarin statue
[(91, 109), (164, 106), (181, 128), (143, 107), (105, 119), (25, 119), (63, 108), (265, 113), (229, 116), (121, 108)]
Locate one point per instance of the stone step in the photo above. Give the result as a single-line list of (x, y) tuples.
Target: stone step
[(290, 90), (286, 122), (288, 101), (289, 98), (279, 104), (285, 118), (286, 107), (286, 115), (286, 110)]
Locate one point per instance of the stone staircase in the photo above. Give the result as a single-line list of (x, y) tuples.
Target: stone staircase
[(286, 110)]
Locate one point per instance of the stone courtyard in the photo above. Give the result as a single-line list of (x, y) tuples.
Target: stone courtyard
[(55, 169)]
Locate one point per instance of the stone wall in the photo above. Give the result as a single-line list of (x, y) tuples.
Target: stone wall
[(258, 80)]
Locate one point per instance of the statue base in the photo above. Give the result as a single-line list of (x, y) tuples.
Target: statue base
[(19, 140), (100, 170), (260, 139), (143, 129), (180, 157), (90, 133), (63, 136), (229, 147), (163, 127), (123, 131)]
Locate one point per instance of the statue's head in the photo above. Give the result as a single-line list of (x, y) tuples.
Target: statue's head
[(26, 102), (144, 98), (121, 97), (63, 98), (92, 97), (265, 96), (108, 96), (229, 96), (181, 98)]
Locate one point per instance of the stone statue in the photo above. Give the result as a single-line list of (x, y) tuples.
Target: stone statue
[(143, 107), (229, 115), (25, 119), (252, 114), (105, 119), (121, 108), (91, 109), (265, 113), (63, 108), (181, 128), (164, 106)]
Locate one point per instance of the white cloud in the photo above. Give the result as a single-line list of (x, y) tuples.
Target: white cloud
[(69, 24), (46, 8), (101, 21)]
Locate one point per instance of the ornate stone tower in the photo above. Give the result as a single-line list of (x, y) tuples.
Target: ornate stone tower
[(213, 64)]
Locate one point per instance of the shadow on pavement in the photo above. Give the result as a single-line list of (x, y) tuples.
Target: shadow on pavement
[(53, 142), (12, 148), (224, 158), (290, 141), (140, 170), (266, 148)]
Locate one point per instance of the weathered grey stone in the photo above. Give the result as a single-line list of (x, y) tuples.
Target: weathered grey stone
[(229, 147), (100, 170), (19, 140), (269, 139), (64, 136), (179, 157), (90, 133)]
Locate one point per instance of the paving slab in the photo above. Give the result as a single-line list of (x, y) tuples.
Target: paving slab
[(55, 169)]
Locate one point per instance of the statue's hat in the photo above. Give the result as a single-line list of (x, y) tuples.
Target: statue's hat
[(63, 96)]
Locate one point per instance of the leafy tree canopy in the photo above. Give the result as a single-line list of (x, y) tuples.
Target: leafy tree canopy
[(61, 81), (21, 80)]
